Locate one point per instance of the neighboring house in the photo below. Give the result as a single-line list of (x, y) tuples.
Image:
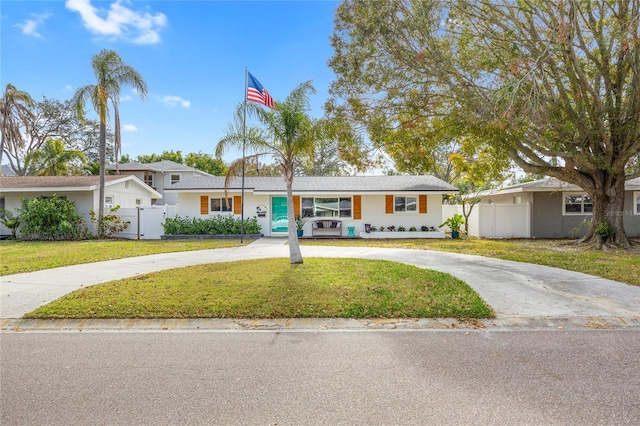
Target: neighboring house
[(409, 201), (123, 191), (159, 175), (545, 208)]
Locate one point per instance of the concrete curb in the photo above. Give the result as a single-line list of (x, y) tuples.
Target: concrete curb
[(317, 324)]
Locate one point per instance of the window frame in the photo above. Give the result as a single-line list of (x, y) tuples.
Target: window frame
[(582, 211), (636, 203), (149, 179), (3, 203), (109, 206), (305, 211), (171, 175), (228, 204), (405, 204)]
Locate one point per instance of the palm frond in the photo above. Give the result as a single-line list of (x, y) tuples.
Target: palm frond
[(235, 168)]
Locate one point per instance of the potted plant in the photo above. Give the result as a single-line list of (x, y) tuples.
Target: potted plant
[(300, 221), (454, 223)]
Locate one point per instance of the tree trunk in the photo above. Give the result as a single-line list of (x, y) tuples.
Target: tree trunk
[(466, 214), (102, 152), (294, 245), (608, 211)]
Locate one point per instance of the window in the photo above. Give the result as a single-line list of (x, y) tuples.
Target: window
[(2, 213), (576, 203), (148, 179), (517, 200), (108, 203), (138, 201), (221, 205), (636, 202), (175, 178), (406, 204), (326, 207)]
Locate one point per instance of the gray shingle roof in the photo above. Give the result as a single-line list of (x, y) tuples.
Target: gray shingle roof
[(24, 182), (321, 184), (552, 184), (159, 166)]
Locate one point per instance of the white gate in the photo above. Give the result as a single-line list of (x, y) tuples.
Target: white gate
[(145, 223), (496, 220)]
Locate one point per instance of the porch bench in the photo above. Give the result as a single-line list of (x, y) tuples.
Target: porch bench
[(326, 227)]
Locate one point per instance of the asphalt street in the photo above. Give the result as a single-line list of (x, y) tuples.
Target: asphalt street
[(562, 350), (425, 377)]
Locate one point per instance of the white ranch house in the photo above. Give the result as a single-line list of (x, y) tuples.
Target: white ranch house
[(351, 201), (128, 192)]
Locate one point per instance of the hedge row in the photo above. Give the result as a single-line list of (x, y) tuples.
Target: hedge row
[(217, 225)]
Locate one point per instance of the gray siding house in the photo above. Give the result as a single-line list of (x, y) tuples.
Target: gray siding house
[(546, 208)]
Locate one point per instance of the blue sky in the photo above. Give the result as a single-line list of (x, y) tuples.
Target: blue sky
[(192, 55)]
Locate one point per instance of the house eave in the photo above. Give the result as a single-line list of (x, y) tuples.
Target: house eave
[(315, 192)]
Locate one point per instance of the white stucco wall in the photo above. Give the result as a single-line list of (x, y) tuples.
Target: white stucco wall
[(126, 193)]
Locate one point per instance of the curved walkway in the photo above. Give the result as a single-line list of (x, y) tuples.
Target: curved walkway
[(518, 292)]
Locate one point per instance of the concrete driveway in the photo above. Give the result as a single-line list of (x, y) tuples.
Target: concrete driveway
[(518, 292)]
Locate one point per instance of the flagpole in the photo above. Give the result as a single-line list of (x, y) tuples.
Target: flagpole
[(244, 142)]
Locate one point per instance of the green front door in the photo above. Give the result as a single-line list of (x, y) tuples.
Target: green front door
[(279, 220)]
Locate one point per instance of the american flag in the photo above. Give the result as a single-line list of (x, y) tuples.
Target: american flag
[(257, 93)]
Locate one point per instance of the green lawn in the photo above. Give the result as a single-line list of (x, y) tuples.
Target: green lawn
[(273, 288), (27, 256), (618, 265)]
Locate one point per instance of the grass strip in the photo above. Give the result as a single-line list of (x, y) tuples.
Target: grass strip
[(273, 288), (28, 256), (616, 264)]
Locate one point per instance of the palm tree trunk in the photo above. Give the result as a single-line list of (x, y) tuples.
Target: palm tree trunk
[(118, 141), (102, 152), (295, 254)]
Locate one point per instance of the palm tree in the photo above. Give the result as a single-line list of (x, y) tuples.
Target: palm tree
[(14, 105), (53, 158), (111, 73), (288, 134)]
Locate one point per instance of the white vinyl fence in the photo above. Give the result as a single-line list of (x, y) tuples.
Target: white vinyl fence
[(145, 223), (495, 220)]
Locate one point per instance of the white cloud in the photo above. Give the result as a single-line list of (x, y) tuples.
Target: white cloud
[(126, 98), (129, 128), (30, 26), (175, 101), (68, 87), (120, 21)]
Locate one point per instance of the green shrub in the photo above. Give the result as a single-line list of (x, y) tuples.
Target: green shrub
[(217, 225), (605, 231), (10, 221), (111, 223), (51, 218)]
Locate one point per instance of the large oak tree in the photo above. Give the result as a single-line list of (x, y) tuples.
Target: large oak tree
[(52, 119), (554, 84)]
